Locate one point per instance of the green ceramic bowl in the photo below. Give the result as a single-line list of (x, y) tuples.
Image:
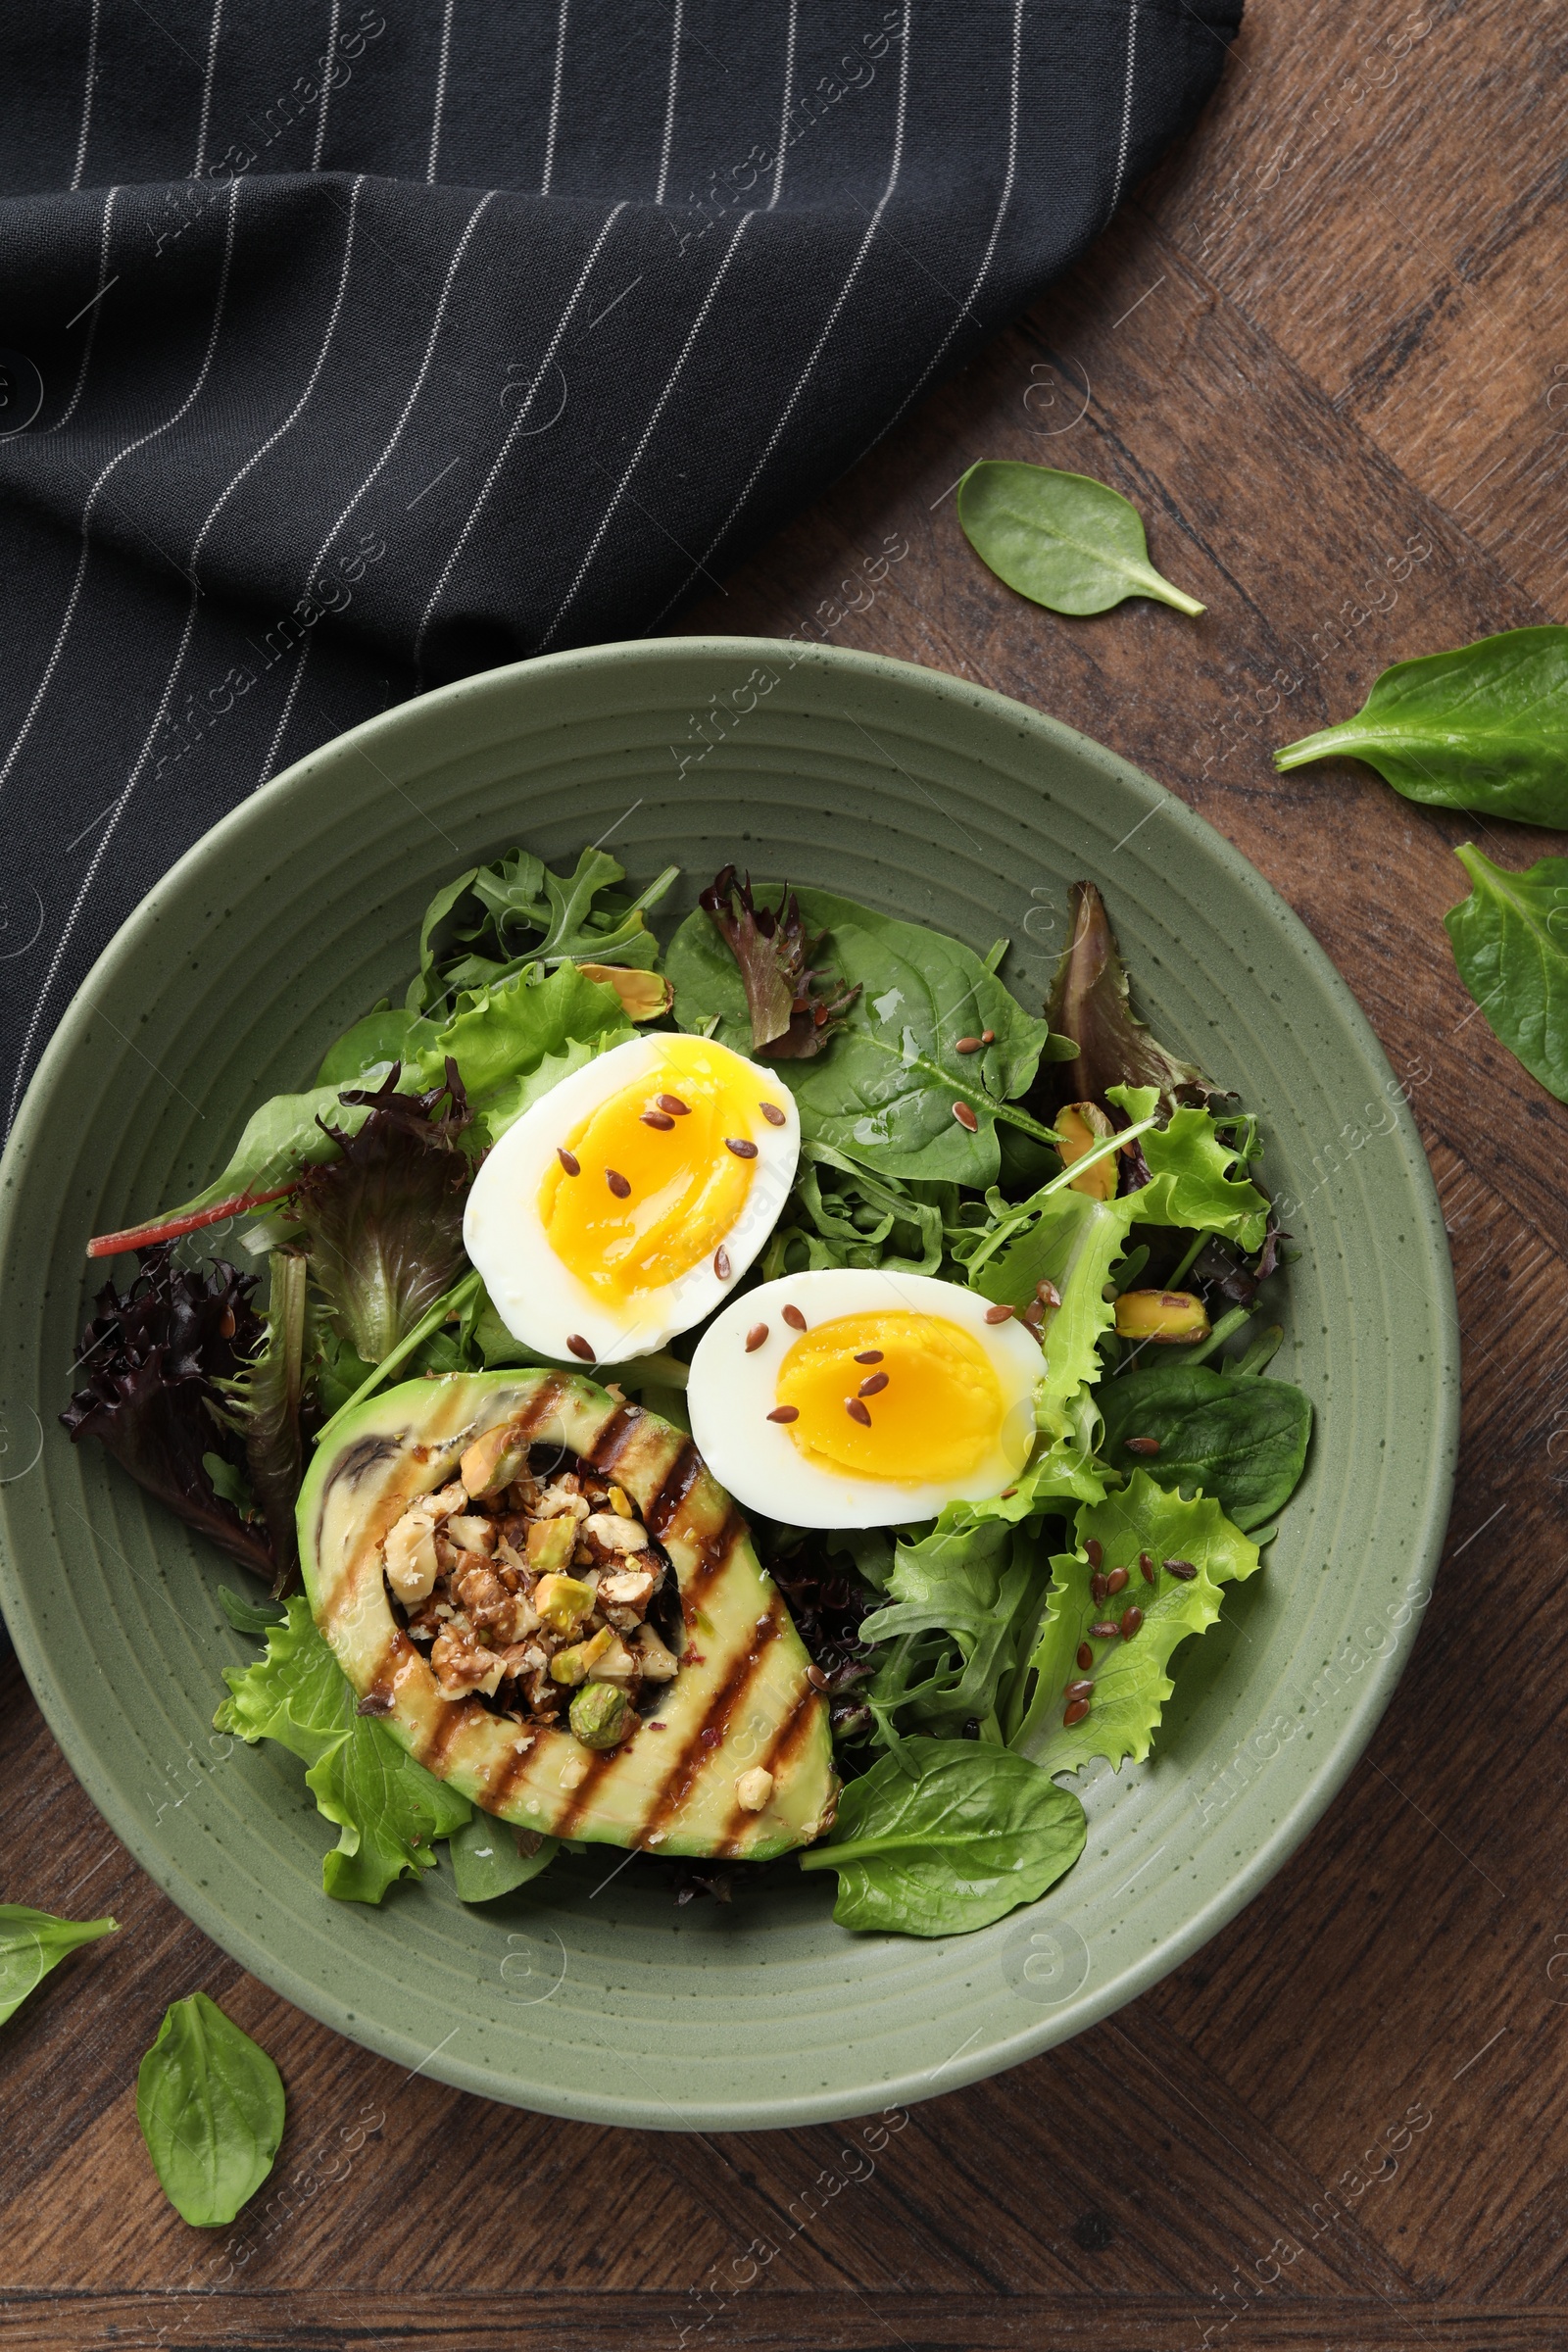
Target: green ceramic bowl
[(934, 800)]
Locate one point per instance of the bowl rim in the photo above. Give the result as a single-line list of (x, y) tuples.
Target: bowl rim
[(1299, 1815)]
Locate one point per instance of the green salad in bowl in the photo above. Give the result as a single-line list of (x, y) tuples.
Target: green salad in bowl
[(769, 1399)]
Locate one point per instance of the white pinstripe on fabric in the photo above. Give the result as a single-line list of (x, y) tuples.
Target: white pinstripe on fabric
[(821, 344), (1126, 107), (86, 96), (991, 242), (670, 383), (319, 557), (784, 116), (207, 91), (669, 105), (440, 90), (504, 451), (554, 100), (99, 854), (129, 450), (93, 316), (327, 85)]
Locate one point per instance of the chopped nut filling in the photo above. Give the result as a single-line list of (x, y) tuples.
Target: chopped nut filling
[(531, 1594)]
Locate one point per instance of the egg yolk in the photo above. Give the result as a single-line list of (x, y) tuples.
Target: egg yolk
[(893, 1396), (658, 1181)]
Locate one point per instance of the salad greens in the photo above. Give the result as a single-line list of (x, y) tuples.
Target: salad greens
[(1510, 941), (885, 1094), (211, 2107), (1484, 727), (387, 1808), (31, 1943), (945, 1837), (1069, 1169), (1063, 540)]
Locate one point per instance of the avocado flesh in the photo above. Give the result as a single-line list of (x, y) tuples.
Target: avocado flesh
[(742, 1697)]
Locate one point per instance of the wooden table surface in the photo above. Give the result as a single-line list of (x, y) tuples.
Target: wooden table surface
[(1326, 351)]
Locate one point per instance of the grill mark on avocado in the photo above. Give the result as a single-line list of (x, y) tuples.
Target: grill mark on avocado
[(580, 1797), (679, 1480), (615, 1436), (706, 1738), (456, 1715), (713, 1557), (791, 1734)]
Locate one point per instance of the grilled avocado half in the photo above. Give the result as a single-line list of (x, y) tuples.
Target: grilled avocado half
[(740, 1699)]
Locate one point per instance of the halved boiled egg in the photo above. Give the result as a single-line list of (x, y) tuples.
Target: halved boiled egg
[(851, 1398), (625, 1203)]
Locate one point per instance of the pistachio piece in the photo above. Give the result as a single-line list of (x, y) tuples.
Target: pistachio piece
[(1170, 1318), (599, 1715), (550, 1544), (574, 1665), (1080, 1126), (562, 1603), (644, 995)]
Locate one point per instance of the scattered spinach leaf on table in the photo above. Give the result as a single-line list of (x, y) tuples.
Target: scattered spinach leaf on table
[(32, 1942), (1483, 727), (945, 1837), (1510, 941), (1063, 540), (211, 2107)]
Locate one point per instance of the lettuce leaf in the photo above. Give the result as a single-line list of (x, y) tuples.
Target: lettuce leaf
[(388, 1810), (1130, 1677), (514, 1041), (1074, 1242)]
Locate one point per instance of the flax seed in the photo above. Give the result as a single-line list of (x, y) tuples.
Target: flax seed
[(573, 1168)]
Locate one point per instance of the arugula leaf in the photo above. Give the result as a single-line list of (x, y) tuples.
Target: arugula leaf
[(978, 1583), (1483, 727), (1510, 943), (1130, 1681), (389, 1809), (476, 930), (839, 1214), (489, 1859), (1090, 1003), (249, 1616), (946, 1836), (211, 2107), (1072, 1242), (1063, 540), (32, 1942), (1242, 1440), (883, 1094)]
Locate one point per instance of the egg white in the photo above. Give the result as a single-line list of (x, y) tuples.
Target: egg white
[(540, 1301), (732, 1392)]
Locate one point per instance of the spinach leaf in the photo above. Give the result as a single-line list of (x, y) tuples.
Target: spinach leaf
[(489, 1859), (32, 1942), (375, 1043), (1129, 1677), (1243, 1441), (1485, 727), (1063, 540), (945, 1837), (883, 1094), (388, 1808), (1510, 941), (1089, 1002), (211, 2107)]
